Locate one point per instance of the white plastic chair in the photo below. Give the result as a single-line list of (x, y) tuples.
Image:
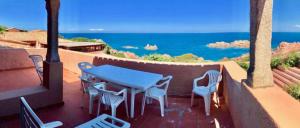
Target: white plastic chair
[(112, 99), (30, 120), (105, 121), (87, 84), (158, 92), (205, 91), (38, 64)]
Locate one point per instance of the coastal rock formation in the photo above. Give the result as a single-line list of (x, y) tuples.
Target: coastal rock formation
[(234, 44), (285, 48), (130, 55), (151, 47)]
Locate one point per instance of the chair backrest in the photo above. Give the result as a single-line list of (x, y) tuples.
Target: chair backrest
[(38, 64), (27, 117), (165, 82), (37, 61), (107, 95), (214, 77), (83, 66)]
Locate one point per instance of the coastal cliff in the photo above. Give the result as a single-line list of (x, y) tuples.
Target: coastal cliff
[(285, 48)]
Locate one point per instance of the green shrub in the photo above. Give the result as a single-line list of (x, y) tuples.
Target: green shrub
[(244, 65), (83, 39), (2, 29), (158, 57), (276, 62), (292, 60), (246, 58), (186, 58), (294, 91), (118, 54), (107, 49)]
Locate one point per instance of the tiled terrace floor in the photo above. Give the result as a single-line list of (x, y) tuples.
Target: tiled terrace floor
[(179, 114)]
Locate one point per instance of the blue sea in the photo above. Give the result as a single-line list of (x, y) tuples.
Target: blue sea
[(176, 44)]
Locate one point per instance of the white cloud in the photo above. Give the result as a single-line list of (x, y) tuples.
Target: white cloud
[(297, 26), (96, 29)]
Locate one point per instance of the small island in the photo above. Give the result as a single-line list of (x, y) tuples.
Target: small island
[(151, 47), (234, 44)]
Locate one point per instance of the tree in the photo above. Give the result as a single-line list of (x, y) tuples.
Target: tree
[(2, 29)]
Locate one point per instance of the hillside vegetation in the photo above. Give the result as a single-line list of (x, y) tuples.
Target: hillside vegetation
[(283, 62), (2, 29), (83, 39)]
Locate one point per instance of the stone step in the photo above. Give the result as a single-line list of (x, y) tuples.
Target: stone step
[(282, 79), (287, 76), (294, 74), (294, 69), (279, 83)]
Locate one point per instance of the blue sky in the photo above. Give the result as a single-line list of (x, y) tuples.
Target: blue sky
[(147, 15)]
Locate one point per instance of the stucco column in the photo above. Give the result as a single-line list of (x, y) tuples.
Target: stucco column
[(52, 7), (53, 68), (259, 73)]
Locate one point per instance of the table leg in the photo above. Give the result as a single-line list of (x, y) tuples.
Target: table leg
[(133, 91)]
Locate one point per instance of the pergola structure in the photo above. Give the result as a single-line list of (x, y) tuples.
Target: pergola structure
[(259, 73)]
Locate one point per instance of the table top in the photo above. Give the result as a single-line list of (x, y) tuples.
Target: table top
[(125, 77)]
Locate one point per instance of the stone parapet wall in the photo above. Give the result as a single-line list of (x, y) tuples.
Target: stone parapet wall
[(269, 107), (14, 59), (183, 73)]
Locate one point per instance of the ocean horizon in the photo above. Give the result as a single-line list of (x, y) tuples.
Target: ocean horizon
[(176, 44)]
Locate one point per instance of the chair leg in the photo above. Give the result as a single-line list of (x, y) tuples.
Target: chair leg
[(143, 104), (148, 100), (192, 99), (91, 104), (99, 107), (162, 106), (82, 100), (126, 107), (166, 101), (113, 111), (207, 104)]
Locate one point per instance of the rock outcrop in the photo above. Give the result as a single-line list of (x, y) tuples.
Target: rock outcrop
[(285, 48), (151, 47), (234, 44)]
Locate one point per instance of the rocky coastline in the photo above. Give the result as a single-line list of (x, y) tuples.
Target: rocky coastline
[(283, 49), (234, 44)]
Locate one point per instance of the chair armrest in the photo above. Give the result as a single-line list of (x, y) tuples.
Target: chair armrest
[(123, 91), (198, 79), (53, 124), (162, 84), (166, 81)]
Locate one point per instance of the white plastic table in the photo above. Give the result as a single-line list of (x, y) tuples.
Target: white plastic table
[(133, 79)]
